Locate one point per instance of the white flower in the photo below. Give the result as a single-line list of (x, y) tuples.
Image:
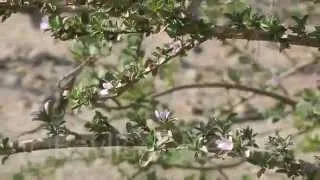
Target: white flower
[(106, 87), (204, 149), (247, 153), (104, 92), (44, 24), (70, 138), (176, 47), (48, 104), (183, 15), (65, 93), (119, 85), (225, 144), (162, 115)]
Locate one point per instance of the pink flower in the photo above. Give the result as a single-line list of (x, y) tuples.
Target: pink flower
[(176, 47), (162, 115), (225, 144), (275, 81), (106, 87), (44, 24)]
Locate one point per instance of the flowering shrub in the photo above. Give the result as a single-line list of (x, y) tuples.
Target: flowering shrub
[(95, 26)]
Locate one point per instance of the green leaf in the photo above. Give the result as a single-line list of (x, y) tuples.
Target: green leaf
[(190, 177), (246, 177), (304, 109), (93, 50), (109, 76), (151, 140), (310, 95), (245, 60), (316, 109), (276, 113), (172, 157), (85, 17), (55, 22), (18, 176), (152, 175), (310, 143), (234, 75)]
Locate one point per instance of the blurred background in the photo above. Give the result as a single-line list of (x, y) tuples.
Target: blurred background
[(31, 62)]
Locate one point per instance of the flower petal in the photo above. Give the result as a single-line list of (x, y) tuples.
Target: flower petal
[(44, 24), (157, 114), (167, 114), (247, 153), (107, 85), (162, 115), (224, 144), (104, 92)]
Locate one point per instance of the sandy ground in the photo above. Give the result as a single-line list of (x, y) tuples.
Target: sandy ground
[(31, 62)]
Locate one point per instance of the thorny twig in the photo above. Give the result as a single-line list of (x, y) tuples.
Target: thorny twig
[(73, 73), (66, 82)]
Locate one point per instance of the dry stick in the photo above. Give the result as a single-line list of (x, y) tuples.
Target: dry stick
[(284, 99), (215, 167), (281, 76), (75, 71), (32, 131)]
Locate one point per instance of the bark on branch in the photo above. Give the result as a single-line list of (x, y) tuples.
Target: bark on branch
[(67, 141), (284, 99), (225, 32), (220, 32)]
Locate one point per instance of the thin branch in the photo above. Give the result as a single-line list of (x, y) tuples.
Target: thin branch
[(219, 31), (61, 7), (225, 32), (283, 75), (187, 46), (32, 131), (284, 99), (206, 168), (191, 45), (75, 71), (74, 140), (113, 141)]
